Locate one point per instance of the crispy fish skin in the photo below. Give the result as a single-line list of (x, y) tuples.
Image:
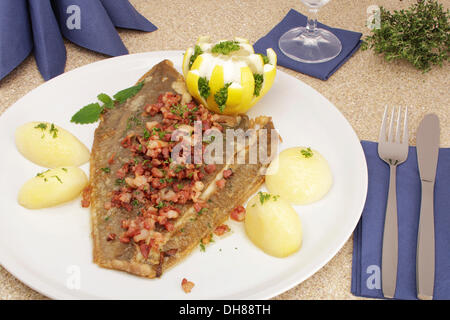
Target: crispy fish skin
[(245, 181)]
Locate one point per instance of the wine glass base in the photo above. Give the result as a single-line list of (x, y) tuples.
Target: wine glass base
[(300, 45)]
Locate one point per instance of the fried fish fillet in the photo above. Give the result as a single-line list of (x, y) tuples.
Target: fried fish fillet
[(182, 232)]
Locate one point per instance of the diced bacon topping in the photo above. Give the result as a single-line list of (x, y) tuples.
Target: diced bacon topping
[(238, 213), (221, 230), (210, 168), (86, 197), (111, 237), (145, 250), (187, 285), (152, 185), (111, 160), (207, 239), (221, 183), (227, 173)]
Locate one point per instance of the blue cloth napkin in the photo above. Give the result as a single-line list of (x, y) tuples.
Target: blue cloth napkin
[(49, 49), (41, 24), (368, 235), (15, 35), (350, 44)]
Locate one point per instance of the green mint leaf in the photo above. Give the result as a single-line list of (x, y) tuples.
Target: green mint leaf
[(107, 100), (87, 114), (125, 94)]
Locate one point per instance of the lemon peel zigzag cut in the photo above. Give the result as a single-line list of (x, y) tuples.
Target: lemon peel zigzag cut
[(229, 68)]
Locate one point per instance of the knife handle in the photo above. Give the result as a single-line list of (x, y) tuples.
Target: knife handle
[(389, 259), (425, 244)]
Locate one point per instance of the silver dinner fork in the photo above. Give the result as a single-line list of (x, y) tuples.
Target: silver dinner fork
[(393, 151)]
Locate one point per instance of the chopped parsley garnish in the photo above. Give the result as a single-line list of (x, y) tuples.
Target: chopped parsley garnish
[(64, 169), (265, 58), (43, 127), (203, 87), (133, 121), (53, 131), (263, 197), (119, 182), (221, 96), (211, 139), (179, 168), (145, 162), (197, 51), (202, 210), (259, 79), (135, 202), (179, 110), (57, 178), (162, 134), (225, 47), (41, 175), (146, 134), (106, 170), (202, 247), (106, 218), (307, 153), (160, 205), (155, 130)]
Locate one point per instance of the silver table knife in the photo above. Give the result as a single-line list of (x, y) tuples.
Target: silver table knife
[(427, 157)]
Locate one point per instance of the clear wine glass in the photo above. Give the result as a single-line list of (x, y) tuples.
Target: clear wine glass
[(310, 44)]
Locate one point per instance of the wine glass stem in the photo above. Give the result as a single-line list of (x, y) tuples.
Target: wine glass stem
[(311, 25)]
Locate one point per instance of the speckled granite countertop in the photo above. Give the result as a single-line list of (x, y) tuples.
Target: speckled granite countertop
[(360, 89)]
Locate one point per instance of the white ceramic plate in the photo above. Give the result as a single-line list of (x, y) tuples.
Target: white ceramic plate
[(51, 251)]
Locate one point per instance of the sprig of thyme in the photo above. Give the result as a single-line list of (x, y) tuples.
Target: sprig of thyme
[(419, 34)]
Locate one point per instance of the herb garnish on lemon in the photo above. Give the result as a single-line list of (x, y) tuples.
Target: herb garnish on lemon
[(228, 76)]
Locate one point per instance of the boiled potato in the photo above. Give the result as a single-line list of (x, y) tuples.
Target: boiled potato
[(299, 175), (52, 187), (273, 225), (50, 146)]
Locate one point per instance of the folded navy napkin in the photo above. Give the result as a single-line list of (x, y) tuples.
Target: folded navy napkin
[(368, 235), (41, 24), (350, 44), (15, 35)]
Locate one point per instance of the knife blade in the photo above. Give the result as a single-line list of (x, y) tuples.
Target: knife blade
[(427, 158)]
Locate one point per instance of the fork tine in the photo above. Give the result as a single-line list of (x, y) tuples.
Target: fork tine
[(391, 126), (382, 137), (398, 129), (405, 128)]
